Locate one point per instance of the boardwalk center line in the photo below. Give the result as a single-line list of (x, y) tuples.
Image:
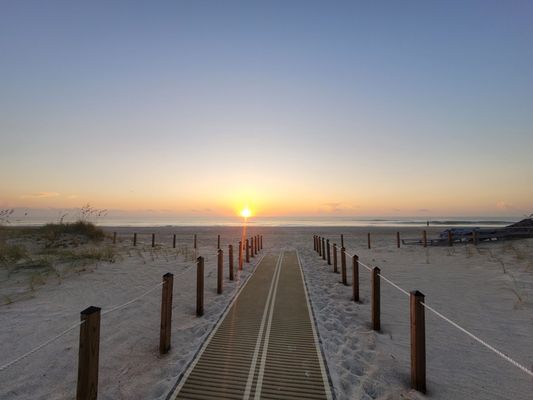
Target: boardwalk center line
[(270, 299), (267, 335)]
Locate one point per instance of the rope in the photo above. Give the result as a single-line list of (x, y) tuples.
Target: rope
[(395, 285), (29, 353), (381, 276), (481, 341), (131, 301), (387, 280), (49, 341), (366, 266)]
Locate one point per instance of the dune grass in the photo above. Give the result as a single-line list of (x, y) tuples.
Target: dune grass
[(10, 253), (54, 231), (33, 255)]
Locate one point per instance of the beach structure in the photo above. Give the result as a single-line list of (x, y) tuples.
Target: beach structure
[(519, 230)]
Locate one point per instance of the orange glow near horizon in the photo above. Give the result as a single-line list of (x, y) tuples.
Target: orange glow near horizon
[(276, 198)]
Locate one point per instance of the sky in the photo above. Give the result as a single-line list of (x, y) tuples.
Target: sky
[(287, 107)]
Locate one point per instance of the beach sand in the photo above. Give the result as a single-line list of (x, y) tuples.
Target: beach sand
[(486, 289)]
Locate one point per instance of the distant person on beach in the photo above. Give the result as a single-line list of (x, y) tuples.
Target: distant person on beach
[(427, 223)]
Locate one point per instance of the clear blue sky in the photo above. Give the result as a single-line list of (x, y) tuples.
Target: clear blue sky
[(295, 107)]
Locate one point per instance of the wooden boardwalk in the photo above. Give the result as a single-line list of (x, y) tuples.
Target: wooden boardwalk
[(266, 346)]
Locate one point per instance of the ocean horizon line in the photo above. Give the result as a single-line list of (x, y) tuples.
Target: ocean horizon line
[(128, 221)]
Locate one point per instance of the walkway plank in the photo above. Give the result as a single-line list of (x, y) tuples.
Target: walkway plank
[(266, 347)]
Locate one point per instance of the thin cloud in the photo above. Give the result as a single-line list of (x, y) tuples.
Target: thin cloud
[(40, 195), (337, 207), (502, 205), (331, 207)]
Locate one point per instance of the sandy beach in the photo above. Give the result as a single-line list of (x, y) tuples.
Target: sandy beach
[(486, 289)]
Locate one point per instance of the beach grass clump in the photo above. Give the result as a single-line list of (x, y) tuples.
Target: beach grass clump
[(86, 254), (95, 254), (10, 253), (54, 231)]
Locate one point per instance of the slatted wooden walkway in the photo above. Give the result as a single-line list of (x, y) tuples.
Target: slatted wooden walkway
[(266, 346)]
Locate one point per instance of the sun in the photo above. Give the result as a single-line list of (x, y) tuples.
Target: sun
[(245, 212)]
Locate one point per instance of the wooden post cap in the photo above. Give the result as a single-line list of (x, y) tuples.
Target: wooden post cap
[(90, 310)]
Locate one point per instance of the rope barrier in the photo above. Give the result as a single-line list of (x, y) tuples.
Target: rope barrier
[(381, 276), (366, 266), (131, 301), (387, 280), (481, 341), (29, 353), (49, 341), (395, 285)]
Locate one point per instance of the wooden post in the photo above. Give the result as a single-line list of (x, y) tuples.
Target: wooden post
[(369, 246), (247, 251), (343, 266), (240, 255), (319, 246), (174, 241), (314, 242), (261, 241), (328, 252), (342, 240), (252, 247), (474, 237), (218, 242), (200, 286), (335, 257), (418, 342), (114, 237), (89, 352), (355, 278), (230, 256), (398, 239), (153, 239), (166, 313), (425, 238), (255, 244), (376, 308), (450, 238), (135, 239), (323, 248), (220, 270), (195, 242)]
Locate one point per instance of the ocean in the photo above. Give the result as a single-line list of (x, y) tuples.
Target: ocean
[(158, 220)]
